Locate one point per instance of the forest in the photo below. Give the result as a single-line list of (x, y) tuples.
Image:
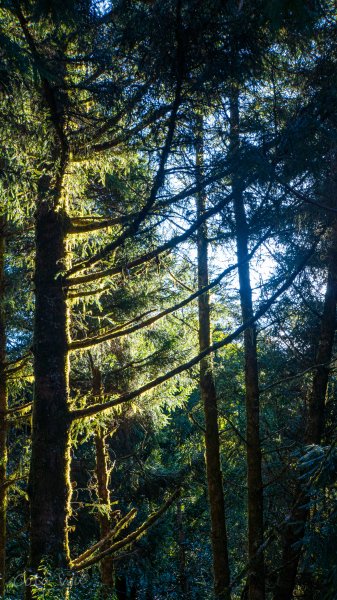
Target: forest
[(168, 291)]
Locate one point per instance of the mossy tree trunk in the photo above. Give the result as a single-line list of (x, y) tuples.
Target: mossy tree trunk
[(209, 399), (103, 492), (256, 580), (49, 481), (3, 409), (49, 486)]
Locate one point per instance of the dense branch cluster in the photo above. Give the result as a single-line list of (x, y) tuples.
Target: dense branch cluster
[(168, 290)]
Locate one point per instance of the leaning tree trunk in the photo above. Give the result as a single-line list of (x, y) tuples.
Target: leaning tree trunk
[(294, 531), (103, 492), (256, 579), (49, 486), (3, 409), (209, 398)]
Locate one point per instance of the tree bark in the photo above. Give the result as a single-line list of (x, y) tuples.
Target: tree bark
[(49, 481), (133, 593), (183, 582), (209, 399), (316, 416), (49, 478), (3, 409), (121, 588), (256, 580), (149, 592), (103, 492), (49, 485), (299, 514)]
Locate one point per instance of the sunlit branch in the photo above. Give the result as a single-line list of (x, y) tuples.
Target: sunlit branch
[(124, 522), (157, 183), (97, 408), (13, 480), (132, 537), (77, 228), (17, 412), (115, 332), (119, 332), (152, 253), (85, 293), (15, 366)]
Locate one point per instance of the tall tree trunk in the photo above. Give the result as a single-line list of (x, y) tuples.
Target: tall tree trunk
[(316, 416), (183, 582), (3, 409), (121, 588), (256, 581), (149, 592), (49, 478), (299, 515), (49, 485), (133, 592), (208, 395), (103, 479)]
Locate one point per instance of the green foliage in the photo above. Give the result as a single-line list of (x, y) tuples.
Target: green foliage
[(91, 86)]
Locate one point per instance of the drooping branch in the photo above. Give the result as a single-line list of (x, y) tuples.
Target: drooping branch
[(274, 384), (98, 408), (96, 136), (125, 136), (160, 174), (305, 198), (174, 241), (120, 332), (133, 228)]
